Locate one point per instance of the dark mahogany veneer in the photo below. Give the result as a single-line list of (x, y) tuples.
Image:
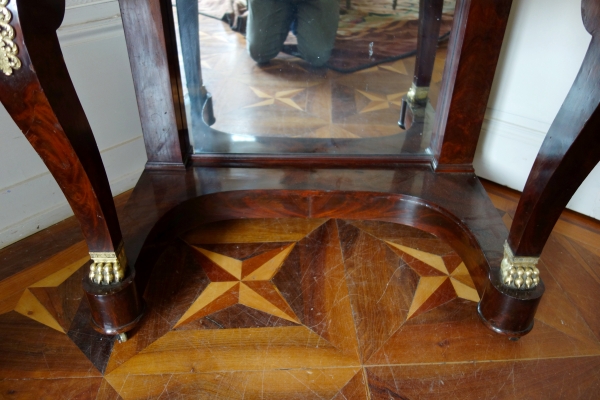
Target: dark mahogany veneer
[(177, 192)]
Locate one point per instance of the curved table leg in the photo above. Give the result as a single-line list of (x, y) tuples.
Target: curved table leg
[(37, 91), (568, 154)]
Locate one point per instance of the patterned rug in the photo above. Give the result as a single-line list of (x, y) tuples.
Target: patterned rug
[(370, 33)]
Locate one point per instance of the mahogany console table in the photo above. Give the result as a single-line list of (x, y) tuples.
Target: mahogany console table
[(180, 189)]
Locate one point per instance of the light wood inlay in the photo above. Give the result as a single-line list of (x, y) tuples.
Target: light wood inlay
[(426, 288), (30, 307), (250, 298), (430, 259), (231, 265)]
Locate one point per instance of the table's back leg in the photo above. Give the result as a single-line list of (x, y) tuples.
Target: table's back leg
[(430, 18), (568, 154), (37, 91)]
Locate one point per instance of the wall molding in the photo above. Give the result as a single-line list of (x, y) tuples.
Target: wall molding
[(507, 150), (54, 207), (83, 3), (92, 22), (91, 31)]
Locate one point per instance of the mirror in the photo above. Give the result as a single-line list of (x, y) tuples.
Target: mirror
[(312, 76)]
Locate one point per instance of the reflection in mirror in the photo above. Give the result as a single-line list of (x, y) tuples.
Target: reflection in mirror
[(312, 76)]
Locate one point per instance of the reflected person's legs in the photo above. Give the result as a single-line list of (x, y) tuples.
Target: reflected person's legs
[(317, 26), (268, 25)]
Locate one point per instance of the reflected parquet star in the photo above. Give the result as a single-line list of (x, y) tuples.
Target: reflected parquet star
[(379, 101), (283, 96), (245, 282), (441, 279)]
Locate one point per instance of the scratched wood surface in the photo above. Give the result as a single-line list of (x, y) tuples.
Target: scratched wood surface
[(301, 309)]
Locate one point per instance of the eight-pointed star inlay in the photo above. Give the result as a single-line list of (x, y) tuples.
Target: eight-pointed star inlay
[(436, 285), (246, 282)]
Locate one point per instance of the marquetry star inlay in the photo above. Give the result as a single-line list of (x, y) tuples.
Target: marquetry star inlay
[(380, 101), (246, 282), (42, 301), (437, 285), (283, 96)]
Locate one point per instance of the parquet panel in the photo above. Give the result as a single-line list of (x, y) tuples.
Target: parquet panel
[(50, 389), (335, 311), (568, 378)]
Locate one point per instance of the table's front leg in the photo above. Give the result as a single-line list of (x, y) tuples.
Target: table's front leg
[(36, 90), (568, 154)]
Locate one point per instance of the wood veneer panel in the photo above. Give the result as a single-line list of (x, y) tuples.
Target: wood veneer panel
[(536, 379), (235, 350), (326, 305), (32, 350), (356, 388), (288, 384), (454, 333), (48, 389), (94, 345), (253, 231), (582, 288), (107, 392), (379, 307)]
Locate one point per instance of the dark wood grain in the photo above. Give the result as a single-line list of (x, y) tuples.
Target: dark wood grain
[(547, 379), (473, 52), (568, 154), (150, 37), (430, 19)]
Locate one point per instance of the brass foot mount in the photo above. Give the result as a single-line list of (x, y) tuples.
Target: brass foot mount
[(108, 267), (519, 272)]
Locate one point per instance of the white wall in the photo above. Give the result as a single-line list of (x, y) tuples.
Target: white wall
[(543, 48), (94, 49)]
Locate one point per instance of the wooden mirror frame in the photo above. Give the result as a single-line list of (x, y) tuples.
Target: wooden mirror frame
[(473, 51)]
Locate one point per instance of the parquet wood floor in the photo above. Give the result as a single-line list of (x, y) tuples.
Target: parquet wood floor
[(301, 309)]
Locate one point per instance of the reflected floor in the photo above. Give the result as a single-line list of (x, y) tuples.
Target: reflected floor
[(288, 99)]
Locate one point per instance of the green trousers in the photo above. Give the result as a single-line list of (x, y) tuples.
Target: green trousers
[(269, 22)]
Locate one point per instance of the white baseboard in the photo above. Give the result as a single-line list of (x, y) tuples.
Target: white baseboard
[(507, 149), (90, 20), (42, 193)]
